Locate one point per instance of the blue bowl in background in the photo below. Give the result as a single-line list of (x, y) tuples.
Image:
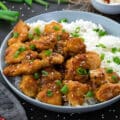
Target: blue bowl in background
[(110, 26), (106, 8)]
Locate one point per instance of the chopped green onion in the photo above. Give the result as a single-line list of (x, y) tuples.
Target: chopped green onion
[(58, 37), (114, 78), (63, 30), (82, 39), (77, 29), (101, 45), (44, 73), (49, 93), (16, 54), (81, 71), (58, 83), (90, 94), (56, 28), (63, 20), (37, 31), (116, 60), (48, 52), (64, 89), (30, 36), (74, 34), (32, 60), (36, 75), (32, 47), (118, 49), (108, 61), (15, 34), (100, 32), (109, 70), (22, 49), (114, 50), (102, 56)]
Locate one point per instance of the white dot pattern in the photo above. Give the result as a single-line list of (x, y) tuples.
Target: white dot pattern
[(35, 113)]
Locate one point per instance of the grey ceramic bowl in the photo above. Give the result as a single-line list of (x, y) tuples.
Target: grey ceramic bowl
[(110, 26), (106, 8)]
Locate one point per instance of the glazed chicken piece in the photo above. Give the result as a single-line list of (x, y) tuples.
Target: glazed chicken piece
[(45, 53), (74, 46), (29, 86), (45, 42), (112, 77), (100, 77), (53, 27), (31, 66), (108, 91), (62, 37), (93, 60), (26, 67), (76, 68), (50, 76), (21, 30), (54, 58), (17, 52), (76, 92), (50, 94)]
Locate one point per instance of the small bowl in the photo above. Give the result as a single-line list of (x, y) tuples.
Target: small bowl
[(106, 8)]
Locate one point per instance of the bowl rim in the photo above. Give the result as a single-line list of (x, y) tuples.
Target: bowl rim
[(105, 4), (42, 104)]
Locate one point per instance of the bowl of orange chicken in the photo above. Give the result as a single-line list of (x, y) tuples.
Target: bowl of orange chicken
[(54, 70)]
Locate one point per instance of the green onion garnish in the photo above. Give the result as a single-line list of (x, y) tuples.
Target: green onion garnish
[(16, 54), (77, 30), (74, 34), (100, 32), (49, 93), (37, 31), (44, 73), (90, 94), (114, 78), (58, 83), (36, 75), (81, 71), (30, 36), (101, 45), (102, 56), (114, 50), (64, 89), (116, 60), (58, 37), (48, 52), (63, 20), (109, 70), (32, 47), (56, 28), (108, 61), (22, 49), (15, 34)]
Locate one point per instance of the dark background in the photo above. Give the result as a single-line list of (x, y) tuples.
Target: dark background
[(34, 113)]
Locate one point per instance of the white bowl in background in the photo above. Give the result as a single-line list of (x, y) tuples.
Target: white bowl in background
[(106, 8)]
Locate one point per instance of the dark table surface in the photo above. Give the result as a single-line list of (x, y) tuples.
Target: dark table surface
[(34, 113)]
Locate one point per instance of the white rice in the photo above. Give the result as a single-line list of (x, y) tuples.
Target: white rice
[(91, 40)]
